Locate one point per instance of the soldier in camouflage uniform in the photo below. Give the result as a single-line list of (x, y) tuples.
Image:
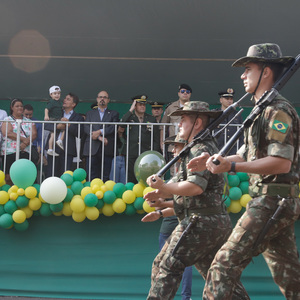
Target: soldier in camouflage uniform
[(198, 193), (270, 156)]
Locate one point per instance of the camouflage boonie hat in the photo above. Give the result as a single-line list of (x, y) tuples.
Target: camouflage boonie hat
[(196, 108), (174, 139), (267, 52)]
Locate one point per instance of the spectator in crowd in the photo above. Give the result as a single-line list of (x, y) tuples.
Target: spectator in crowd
[(9, 132), (53, 112), (226, 99), (101, 136), (184, 95), (170, 221), (3, 115), (139, 144), (65, 159), (157, 110), (28, 113), (118, 165)]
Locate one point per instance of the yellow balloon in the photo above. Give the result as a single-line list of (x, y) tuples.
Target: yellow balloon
[(13, 196), (104, 188), (31, 192), (99, 194), (128, 196), (28, 211), (147, 208), (96, 181), (140, 211), (107, 210), (110, 184), (92, 213), (2, 176), (20, 192), (95, 188), (4, 197), (41, 199), (119, 206), (86, 190), (2, 183), (78, 216), (67, 211), (13, 189), (235, 206), (35, 203), (138, 189), (69, 172), (19, 216), (58, 213), (245, 199), (77, 205), (147, 190)]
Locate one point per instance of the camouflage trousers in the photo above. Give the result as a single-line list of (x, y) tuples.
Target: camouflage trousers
[(197, 248), (278, 248)]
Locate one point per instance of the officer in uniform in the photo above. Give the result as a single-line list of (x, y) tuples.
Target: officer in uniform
[(270, 156), (139, 144), (157, 110), (226, 99), (197, 194)]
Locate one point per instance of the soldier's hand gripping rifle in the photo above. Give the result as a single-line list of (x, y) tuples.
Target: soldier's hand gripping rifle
[(262, 103), (203, 134)]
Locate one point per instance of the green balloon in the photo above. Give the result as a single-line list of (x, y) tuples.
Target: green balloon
[(226, 200), (87, 183), (100, 204), (69, 195), (130, 210), (6, 220), (21, 226), (57, 207), (45, 210), (67, 178), (233, 180), (147, 164), (2, 211), (244, 186), (129, 185), (23, 173), (243, 176), (138, 203), (90, 200), (10, 206), (79, 174), (6, 187), (22, 201), (235, 193), (119, 188), (76, 187), (37, 186), (109, 197)]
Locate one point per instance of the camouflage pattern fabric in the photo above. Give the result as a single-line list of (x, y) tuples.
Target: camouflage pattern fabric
[(278, 247), (202, 242)]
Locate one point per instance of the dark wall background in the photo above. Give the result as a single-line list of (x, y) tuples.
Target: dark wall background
[(130, 47)]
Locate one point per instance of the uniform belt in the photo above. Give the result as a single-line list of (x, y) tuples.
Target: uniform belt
[(276, 189), (205, 211)]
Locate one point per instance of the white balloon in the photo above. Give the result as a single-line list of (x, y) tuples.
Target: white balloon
[(53, 190)]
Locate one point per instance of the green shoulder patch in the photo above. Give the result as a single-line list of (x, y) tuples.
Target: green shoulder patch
[(280, 126)]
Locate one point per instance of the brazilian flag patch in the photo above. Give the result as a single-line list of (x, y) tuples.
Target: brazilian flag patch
[(280, 126)]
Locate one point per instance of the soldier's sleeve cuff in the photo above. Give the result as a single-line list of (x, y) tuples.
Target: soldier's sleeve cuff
[(280, 150), (200, 181)]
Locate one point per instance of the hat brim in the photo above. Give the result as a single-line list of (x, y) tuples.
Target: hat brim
[(180, 112), (241, 62), (171, 140)]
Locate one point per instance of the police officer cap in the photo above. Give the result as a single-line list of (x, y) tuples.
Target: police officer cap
[(226, 93), (140, 98), (185, 86), (157, 104)]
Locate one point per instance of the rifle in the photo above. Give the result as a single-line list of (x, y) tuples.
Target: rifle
[(262, 103), (203, 134)]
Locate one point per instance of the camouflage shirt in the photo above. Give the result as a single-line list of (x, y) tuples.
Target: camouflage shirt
[(211, 184), (274, 133)]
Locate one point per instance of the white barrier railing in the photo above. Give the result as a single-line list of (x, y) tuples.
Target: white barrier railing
[(79, 157)]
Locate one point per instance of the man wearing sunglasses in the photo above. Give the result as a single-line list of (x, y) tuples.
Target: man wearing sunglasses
[(184, 95)]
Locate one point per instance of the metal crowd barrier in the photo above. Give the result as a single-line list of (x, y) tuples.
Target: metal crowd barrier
[(78, 158)]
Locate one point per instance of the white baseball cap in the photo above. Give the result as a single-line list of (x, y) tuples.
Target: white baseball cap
[(54, 88)]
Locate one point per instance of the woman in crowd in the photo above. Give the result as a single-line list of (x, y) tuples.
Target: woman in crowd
[(9, 131)]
